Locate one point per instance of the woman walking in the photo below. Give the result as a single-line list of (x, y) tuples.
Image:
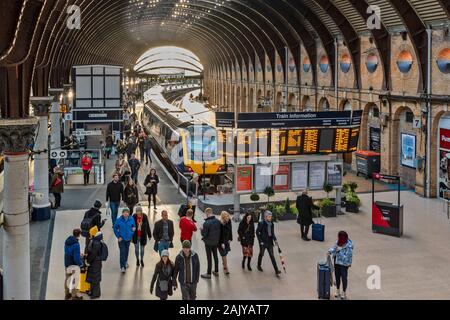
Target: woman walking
[(163, 276), (246, 232), (151, 185), (131, 195), (141, 235), (342, 253), (226, 236), (57, 185)]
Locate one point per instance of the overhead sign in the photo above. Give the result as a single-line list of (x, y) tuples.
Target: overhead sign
[(68, 117), (126, 116), (58, 154), (88, 133), (107, 115), (298, 119), (225, 120), (417, 123)]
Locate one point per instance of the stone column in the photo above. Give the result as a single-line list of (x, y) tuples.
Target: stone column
[(15, 136), (55, 119), (41, 204), (68, 99)]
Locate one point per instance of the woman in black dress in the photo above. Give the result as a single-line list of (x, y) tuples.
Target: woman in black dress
[(246, 232), (163, 276), (151, 185)]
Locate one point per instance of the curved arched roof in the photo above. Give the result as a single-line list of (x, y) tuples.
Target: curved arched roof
[(169, 60), (35, 34)]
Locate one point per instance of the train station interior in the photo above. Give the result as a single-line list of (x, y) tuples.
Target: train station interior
[(242, 107)]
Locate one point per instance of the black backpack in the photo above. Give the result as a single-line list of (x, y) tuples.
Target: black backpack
[(87, 224), (104, 251)]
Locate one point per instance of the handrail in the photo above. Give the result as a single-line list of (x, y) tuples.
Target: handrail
[(186, 180)]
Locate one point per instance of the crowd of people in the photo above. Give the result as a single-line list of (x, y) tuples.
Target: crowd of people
[(133, 226)]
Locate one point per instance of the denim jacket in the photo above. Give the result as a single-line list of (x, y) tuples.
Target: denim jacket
[(343, 255)]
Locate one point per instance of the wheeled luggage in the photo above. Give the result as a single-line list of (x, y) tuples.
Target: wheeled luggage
[(318, 232), (323, 280), (84, 286)]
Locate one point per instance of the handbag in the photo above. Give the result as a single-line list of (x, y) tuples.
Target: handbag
[(58, 181)]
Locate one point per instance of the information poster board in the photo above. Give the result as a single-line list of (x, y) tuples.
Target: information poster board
[(334, 173), (375, 139), (263, 177), (408, 152), (281, 177), (299, 176), (245, 179), (316, 175)]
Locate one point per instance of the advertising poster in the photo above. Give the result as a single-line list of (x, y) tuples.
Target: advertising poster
[(408, 150), (316, 175), (244, 179), (299, 176), (444, 162), (281, 177), (263, 177), (375, 139), (334, 173)]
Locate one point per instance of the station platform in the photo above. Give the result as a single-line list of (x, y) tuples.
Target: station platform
[(411, 267)]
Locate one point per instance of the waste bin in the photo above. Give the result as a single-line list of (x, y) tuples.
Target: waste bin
[(367, 163)]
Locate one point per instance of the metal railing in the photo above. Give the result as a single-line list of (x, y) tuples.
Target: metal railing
[(186, 180)]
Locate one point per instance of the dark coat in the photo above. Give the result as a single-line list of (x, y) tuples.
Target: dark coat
[(97, 220), (226, 233), (94, 258), (158, 230), (114, 191), (211, 231), (180, 268), (72, 255), (147, 144), (131, 195), (145, 230), (131, 148), (246, 233), (304, 206), (59, 188), (153, 188), (263, 234), (135, 165), (161, 275), (109, 142)]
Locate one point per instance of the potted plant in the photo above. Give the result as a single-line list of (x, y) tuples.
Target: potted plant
[(353, 202), (255, 197), (288, 212), (353, 186), (328, 208), (327, 188), (278, 212), (269, 192)]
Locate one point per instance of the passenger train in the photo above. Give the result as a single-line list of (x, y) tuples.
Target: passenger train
[(184, 132)]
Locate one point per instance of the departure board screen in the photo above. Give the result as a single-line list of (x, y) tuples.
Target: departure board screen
[(262, 137), (311, 141), (294, 142), (353, 144), (326, 141), (342, 139)]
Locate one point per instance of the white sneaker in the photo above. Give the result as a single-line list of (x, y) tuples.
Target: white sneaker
[(343, 296), (337, 295), (122, 270)]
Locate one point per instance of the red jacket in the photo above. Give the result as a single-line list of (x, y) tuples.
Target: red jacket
[(187, 227), (86, 163)]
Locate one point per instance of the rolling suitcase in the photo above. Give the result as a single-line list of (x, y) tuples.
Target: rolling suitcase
[(84, 286), (323, 280), (318, 231)]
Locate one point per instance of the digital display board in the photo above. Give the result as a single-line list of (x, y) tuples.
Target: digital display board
[(326, 140), (342, 139), (353, 144), (311, 141), (294, 142)]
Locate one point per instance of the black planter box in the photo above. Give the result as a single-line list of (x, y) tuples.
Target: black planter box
[(351, 207), (287, 217), (329, 212)]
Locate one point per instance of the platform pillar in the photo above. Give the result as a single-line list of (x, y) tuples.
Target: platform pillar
[(55, 119), (41, 204), (15, 137)]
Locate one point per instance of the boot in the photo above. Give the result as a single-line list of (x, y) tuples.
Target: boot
[(248, 264), (337, 295), (243, 262), (137, 263), (225, 265)]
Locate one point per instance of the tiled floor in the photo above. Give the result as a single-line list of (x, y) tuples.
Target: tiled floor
[(412, 267)]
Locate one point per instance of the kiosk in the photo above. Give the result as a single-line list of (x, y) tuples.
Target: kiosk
[(387, 218)]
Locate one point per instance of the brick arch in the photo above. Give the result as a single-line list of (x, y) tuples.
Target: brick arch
[(364, 137), (292, 102), (322, 102), (306, 101)]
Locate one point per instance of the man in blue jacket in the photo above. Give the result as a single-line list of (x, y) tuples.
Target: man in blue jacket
[(124, 229), (73, 263)]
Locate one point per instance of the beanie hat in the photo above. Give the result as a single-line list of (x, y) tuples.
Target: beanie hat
[(138, 209), (267, 213), (93, 231), (125, 210), (164, 253), (97, 204), (186, 244)]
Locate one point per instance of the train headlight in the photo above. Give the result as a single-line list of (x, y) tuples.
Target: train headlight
[(188, 169)]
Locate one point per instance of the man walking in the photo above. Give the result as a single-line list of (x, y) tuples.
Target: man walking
[(135, 165), (73, 263), (187, 226), (147, 150), (124, 229), (304, 206), (114, 194), (163, 233), (187, 268), (266, 238), (210, 236), (92, 217)]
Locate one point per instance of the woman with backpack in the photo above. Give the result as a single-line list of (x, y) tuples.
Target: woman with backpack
[(163, 276), (342, 254), (97, 252), (57, 185), (151, 184), (246, 232), (131, 195)]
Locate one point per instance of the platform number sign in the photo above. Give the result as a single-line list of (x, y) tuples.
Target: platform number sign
[(58, 154), (417, 123)]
